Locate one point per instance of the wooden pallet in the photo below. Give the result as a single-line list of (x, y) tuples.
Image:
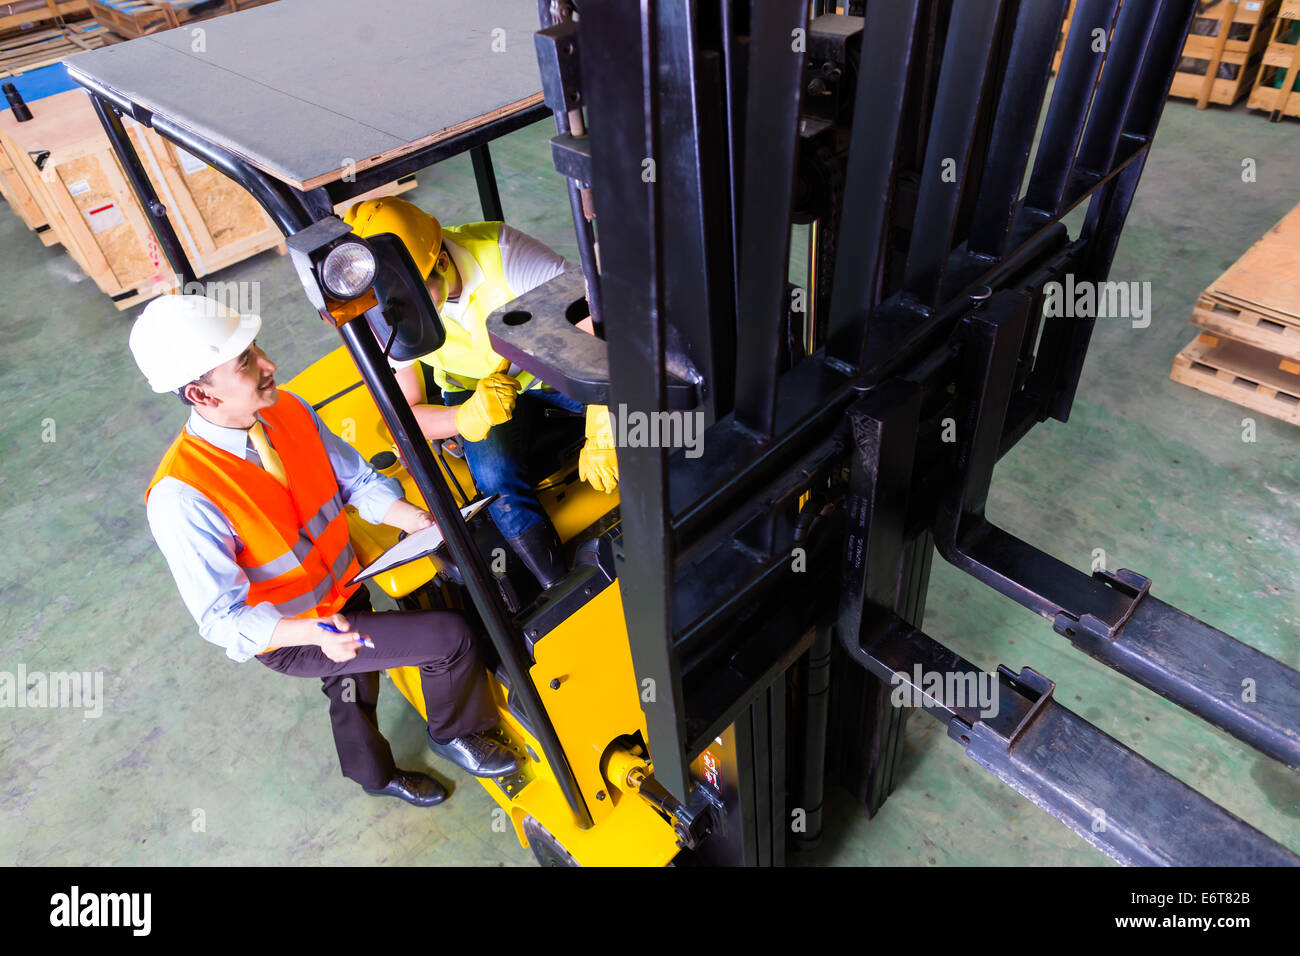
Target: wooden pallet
[(46, 47), (20, 14), (1258, 328), (1247, 376), (1277, 86), (137, 18)]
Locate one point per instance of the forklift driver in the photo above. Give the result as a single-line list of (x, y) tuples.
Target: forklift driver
[(247, 508), (470, 271)]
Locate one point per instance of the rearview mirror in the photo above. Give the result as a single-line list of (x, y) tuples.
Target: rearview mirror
[(405, 321)]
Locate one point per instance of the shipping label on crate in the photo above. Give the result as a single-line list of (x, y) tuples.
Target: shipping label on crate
[(104, 217), (79, 187), (190, 163)]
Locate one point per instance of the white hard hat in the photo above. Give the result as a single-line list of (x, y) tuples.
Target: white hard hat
[(177, 338)]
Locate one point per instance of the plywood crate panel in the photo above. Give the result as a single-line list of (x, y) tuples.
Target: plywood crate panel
[(1267, 275), (217, 221), (20, 199)]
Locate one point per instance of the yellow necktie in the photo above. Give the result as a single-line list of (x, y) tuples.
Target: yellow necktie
[(270, 460)]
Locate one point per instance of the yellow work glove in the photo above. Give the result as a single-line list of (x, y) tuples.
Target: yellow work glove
[(596, 463), (492, 403)]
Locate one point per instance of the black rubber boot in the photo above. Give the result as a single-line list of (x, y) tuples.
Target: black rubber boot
[(540, 550)]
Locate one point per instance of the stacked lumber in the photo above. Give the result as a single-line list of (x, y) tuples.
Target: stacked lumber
[(1277, 86), (32, 49), (1249, 351), (137, 18), (66, 183), (1222, 55)]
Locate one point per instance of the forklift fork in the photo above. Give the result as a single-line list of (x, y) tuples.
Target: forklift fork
[(1112, 617), (1109, 795)]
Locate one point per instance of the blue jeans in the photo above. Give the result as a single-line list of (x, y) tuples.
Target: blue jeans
[(499, 463)]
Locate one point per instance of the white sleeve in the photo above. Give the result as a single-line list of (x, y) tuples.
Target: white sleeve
[(527, 263)]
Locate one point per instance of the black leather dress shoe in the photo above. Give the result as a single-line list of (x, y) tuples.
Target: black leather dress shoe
[(477, 755), (417, 789)]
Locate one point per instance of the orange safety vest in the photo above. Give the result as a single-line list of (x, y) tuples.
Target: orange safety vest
[(296, 550)]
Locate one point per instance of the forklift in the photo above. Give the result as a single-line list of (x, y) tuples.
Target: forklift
[(739, 620)]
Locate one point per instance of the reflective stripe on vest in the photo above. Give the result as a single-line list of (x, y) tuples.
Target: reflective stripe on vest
[(295, 549), (467, 356)]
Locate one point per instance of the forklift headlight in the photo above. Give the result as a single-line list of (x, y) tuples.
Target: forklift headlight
[(348, 270)]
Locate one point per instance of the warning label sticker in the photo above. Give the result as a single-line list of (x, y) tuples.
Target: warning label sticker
[(189, 162), (104, 217)]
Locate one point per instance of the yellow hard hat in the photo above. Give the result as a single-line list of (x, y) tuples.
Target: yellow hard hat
[(419, 232)]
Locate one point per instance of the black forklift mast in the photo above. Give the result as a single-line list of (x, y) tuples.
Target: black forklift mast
[(774, 584)]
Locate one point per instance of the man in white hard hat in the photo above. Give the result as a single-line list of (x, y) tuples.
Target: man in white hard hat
[(247, 508)]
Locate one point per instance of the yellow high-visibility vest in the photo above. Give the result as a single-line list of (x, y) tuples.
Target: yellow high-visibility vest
[(467, 356)]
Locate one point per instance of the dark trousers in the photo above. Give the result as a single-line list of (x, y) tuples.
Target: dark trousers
[(455, 684)]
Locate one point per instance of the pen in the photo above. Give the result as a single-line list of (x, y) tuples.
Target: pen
[(365, 641)]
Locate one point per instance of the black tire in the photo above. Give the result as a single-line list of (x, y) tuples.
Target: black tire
[(548, 850)]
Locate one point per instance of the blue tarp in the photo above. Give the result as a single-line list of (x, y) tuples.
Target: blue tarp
[(46, 81)]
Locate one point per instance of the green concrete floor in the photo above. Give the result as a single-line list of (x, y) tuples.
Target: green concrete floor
[(1153, 472)]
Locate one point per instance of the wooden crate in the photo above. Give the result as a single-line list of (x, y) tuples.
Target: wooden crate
[(17, 14), (1250, 377), (1222, 55), (83, 195), (86, 199), (217, 221), (38, 48), (137, 18), (21, 201), (1249, 24), (1277, 85)]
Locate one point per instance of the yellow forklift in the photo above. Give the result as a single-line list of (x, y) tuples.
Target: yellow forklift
[(738, 622)]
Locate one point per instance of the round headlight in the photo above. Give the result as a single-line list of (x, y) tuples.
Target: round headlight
[(348, 270)]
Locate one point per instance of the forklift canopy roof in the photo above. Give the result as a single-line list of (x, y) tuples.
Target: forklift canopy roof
[(303, 88)]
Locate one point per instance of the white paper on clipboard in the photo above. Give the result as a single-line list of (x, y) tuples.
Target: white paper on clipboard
[(418, 545)]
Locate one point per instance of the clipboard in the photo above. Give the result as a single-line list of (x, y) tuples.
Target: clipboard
[(415, 546)]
